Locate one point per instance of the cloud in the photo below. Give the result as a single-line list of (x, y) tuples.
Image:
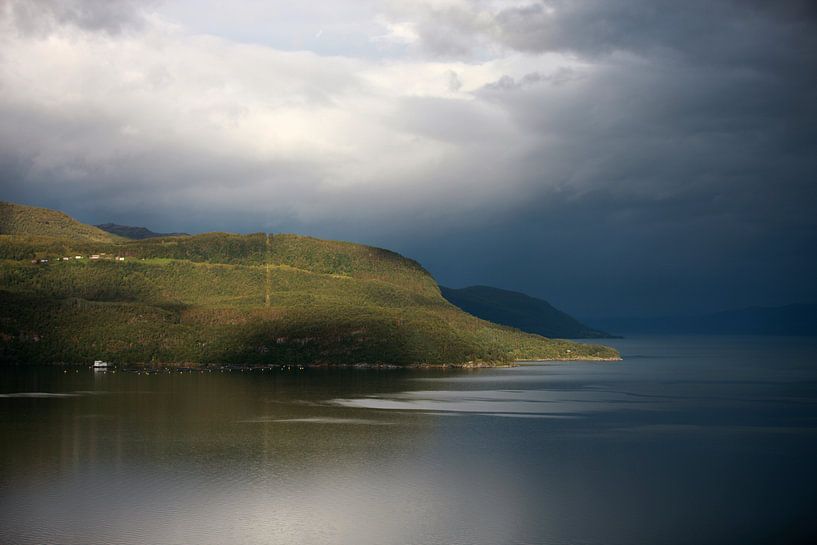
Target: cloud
[(428, 125), (43, 16), (720, 30), (396, 33), (172, 116)]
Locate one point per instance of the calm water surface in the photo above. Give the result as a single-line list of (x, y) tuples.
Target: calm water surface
[(688, 440)]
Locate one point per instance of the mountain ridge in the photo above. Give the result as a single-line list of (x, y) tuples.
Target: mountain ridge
[(135, 233), (519, 310), (264, 299), (20, 219)]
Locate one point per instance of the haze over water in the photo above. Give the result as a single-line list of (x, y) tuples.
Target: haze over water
[(688, 440)]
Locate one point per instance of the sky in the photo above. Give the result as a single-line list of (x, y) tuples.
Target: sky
[(617, 158)]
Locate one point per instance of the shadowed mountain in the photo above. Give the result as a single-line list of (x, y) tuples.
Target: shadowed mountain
[(18, 219), (520, 311), (240, 299), (798, 319), (135, 233)]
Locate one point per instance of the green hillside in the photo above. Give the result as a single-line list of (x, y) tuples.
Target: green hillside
[(18, 219), (521, 311), (243, 299)]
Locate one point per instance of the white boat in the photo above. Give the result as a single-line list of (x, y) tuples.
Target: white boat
[(99, 364)]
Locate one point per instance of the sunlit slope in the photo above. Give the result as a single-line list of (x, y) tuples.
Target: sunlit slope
[(255, 299), (18, 219)]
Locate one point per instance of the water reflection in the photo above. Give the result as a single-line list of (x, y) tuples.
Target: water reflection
[(504, 402), (705, 441)]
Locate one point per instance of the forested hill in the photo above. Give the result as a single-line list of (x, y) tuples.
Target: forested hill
[(520, 311), (18, 219), (73, 297)]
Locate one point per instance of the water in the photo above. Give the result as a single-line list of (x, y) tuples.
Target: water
[(688, 440)]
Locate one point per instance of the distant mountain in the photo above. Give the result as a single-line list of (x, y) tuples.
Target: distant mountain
[(520, 311), (18, 219), (799, 319), (135, 233)]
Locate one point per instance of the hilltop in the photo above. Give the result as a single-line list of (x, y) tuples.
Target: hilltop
[(243, 299), (520, 311), (135, 233), (18, 219)]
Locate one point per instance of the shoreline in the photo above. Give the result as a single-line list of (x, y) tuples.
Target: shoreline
[(190, 366)]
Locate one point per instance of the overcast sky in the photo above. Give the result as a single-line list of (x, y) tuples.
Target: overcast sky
[(616, 157)]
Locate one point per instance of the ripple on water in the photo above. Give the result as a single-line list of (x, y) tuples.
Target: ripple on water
[(502, 402), (316, 420)]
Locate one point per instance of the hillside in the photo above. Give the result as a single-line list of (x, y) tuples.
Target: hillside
[(798, 319), (135, 233), (18, 219), (520, 311), (244, 299)]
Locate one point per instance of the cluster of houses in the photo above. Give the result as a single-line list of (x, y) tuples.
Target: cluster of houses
[(93, 257)]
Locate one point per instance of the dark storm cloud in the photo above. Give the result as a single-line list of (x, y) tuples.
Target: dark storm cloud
[(679, 173), (725, 30), (615, 157)]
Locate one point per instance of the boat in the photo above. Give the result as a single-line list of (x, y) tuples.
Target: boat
[(99, 364)]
